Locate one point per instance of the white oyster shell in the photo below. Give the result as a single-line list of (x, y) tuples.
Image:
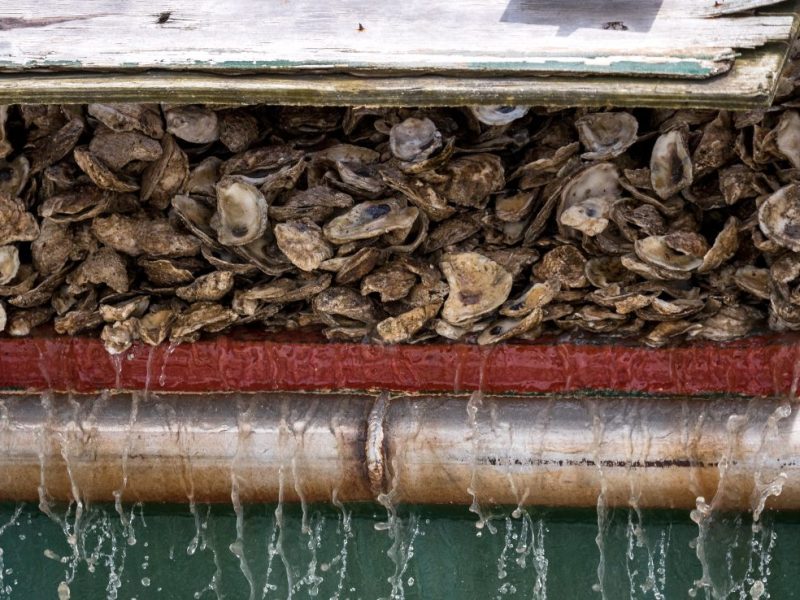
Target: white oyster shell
[(670, 165), (369, 220), (606, 135), (242, 212), (498, 114), (9, 263), (779, 217), (414, 139)]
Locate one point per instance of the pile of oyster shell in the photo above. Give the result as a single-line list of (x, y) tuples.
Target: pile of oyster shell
[(162, 222)]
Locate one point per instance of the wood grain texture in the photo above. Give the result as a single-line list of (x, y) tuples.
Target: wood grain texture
[(665, 38)]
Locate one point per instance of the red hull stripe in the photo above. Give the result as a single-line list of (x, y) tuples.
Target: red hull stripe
[(758, 366)]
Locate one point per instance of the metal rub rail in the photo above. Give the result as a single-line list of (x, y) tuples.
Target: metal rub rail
[(511, 450)]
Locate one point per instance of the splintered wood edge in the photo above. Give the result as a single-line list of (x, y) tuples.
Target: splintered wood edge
[(751, 83)]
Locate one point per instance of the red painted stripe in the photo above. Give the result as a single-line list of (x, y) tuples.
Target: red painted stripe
[(758, 366)]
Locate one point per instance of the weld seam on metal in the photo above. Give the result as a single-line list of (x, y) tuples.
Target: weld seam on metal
[(375, 452)]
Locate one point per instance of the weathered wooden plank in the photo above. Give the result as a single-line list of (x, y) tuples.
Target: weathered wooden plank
[(749, 84), (729, 7), (669, 38)]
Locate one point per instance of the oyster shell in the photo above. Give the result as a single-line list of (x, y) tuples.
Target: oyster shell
[(405, 325), (370, 219), (145, 118), (101, 174), (729, 323), (53, 248), (472, 179), (505, 329), (14, 176), (141, 236), (119, 337), (656, 251), (164, 272), (23, 322), (606, 135), (21, 284), (392, 282), (715, 147), (194, 124), (52, 148), (670, 165), (199, 316), (165, 176), (537, 296), (512, 209), (154, 327), (753, 280), (16, 224), (238, 129), (787, 137), (357, 265), (421, 194), (663, 332), (497, 115), (303, 243), (478, 285), (203, 177), (779, 217), (41, 293), (9, 264), (242, 212), (85, 202), (414, 139), (564, 264), (104, 266), (585, 202), (725, 246), (211, 287), (115, 150), (126, 309), (344, 302)]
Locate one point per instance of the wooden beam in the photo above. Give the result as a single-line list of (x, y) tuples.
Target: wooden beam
[(749, 84)]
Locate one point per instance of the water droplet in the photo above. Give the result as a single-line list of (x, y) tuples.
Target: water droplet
[(757, 590), (63, 591)]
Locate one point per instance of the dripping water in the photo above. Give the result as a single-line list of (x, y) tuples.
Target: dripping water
[(124, 518), (162, 378), (474, 405), (762, 489), (7, 588), (598, 430), (345, 530), (703, 514), (244, 426)]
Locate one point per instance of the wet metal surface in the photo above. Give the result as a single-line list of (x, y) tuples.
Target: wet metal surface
[(642, 452)]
